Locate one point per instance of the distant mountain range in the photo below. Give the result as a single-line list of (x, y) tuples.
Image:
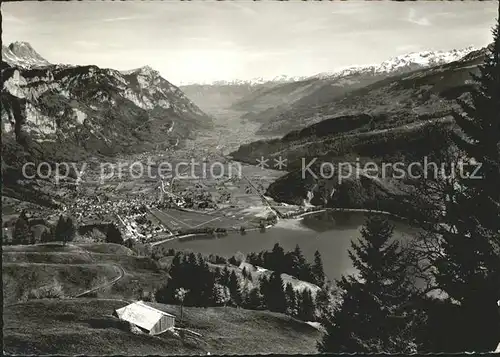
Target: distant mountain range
[(418, 59), (218, 95), (291, 106), (410, 61), (253, 81), (400, 117), (268, 100)]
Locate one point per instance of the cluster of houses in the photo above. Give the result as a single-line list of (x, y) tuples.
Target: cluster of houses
[(85, 208), (139, 227), (131, 214)]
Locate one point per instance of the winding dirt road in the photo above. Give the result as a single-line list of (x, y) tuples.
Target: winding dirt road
[(106, 285)]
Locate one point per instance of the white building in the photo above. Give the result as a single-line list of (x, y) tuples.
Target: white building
[(147, 318)]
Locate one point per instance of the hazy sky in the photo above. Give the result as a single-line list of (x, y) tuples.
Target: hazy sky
[(206, 41)]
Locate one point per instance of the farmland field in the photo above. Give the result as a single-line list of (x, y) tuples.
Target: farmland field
[(229, 218)]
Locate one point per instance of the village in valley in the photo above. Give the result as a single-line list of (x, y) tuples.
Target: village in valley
[(137, 206)]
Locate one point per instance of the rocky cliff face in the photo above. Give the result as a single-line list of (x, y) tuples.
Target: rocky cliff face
[(91, 109), (21, 54)]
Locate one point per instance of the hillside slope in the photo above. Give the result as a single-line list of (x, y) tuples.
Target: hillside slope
[(85, 326), (76, 268), (319, 97)]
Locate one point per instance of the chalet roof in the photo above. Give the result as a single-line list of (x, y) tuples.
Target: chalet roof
[(140, 314)]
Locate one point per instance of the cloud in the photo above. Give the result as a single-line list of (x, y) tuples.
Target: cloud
[(412, 17), (11, 18), (124, 18)]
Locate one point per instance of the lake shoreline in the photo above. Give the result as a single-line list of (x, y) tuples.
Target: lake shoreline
[(279, 223), (331, 235)]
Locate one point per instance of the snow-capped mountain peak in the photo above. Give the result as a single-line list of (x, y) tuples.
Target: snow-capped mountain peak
[(21, 54), (253, 81), (405, 62), (412, 60), (425, 58)]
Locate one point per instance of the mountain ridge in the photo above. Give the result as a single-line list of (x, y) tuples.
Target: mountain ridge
[(425, 58), (421, 58), (399, 118), (283, 78), (22, 54), (67, 112), (262, 99), (317, 104)]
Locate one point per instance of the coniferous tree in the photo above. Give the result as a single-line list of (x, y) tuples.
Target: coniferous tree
[(65, 230), (295, 262), (70, 229), (254, 301), (201, 259), (324, 303), (306, 308), (469, 268), (264, 290), (253, 259), (441, 327), (207, 282), (218, 275), (244, 294), (166, 294), (22, 233), (47, 235), (275, 295), (261, 260), (317, 270), (375, 314), (291, 300), (276, 260), (306, 273), (234, 288), (192, 274), (192, 280), (113, 235), (233, 261), (224, 280)]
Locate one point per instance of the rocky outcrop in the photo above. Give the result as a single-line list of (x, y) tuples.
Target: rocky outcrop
[(90, 108)]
